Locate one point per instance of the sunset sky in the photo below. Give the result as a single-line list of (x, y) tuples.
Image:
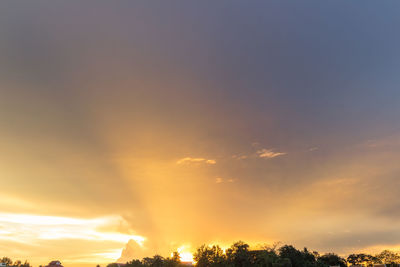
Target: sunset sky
[(129, 128)]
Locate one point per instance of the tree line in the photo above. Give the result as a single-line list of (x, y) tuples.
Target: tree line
[(240, 255), (16, 263)]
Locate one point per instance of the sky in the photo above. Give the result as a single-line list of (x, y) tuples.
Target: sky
[(130, 128)]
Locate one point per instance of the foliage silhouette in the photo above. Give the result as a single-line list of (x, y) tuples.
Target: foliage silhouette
[(17, 263), (240, 255)]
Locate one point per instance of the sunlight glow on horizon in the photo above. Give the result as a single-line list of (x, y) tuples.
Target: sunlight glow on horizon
[(185, 255), (54, 227), (37, 229)]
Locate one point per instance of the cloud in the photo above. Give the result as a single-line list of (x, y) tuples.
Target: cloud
[(240, 156), (269, 153), (196, 160), (219, 180), (133, 250), (27, 226), (386, 141), (103, 242)]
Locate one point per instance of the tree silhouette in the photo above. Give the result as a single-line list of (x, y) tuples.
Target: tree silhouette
[(388, 257), (206, 256), (6, 260), (331, 259), (238, 255)]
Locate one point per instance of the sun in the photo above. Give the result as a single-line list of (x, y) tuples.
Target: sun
[(185, 255)]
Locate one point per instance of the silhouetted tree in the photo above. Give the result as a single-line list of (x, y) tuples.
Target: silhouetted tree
[(388, 257), (176, 257), (174, 261), (299, 258), (156, 261), (282, 262), (25, 264), (206, 256), (331, 259), (238, 255), (295, 256), (263, 258), (6, 260), (309, 257), (134, 263), (362, 258), (17, 263)]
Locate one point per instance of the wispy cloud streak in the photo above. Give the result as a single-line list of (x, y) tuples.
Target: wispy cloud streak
[(196, 160), (269, 153)]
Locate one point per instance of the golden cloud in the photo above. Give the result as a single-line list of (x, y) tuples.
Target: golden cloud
[(269, 153), (196, 160)]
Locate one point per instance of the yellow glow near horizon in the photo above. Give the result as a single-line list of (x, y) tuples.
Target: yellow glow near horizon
[(185, 255), (102, 240), (53, 227)]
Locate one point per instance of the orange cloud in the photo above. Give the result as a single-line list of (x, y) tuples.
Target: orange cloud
[(269, 153), (196, 160), (219, 180)]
